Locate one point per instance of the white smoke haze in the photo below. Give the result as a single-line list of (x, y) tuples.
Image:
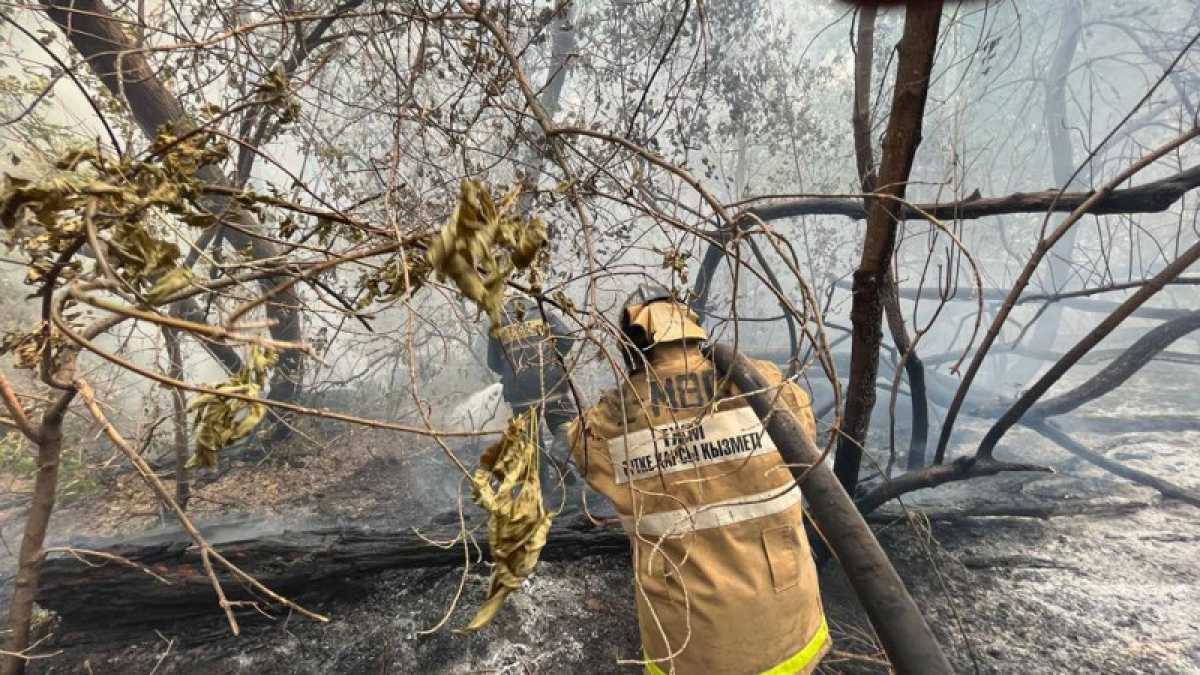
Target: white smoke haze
[(675, 112)]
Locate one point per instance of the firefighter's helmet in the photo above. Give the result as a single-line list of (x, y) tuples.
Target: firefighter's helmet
[(652, 316)]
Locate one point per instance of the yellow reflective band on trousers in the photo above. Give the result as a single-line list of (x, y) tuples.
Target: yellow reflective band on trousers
[(793, 664)]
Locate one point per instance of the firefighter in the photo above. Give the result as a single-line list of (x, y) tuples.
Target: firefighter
[(528, 351), (724, 579)]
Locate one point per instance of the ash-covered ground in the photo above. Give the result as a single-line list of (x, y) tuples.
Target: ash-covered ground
[(1109, 584)]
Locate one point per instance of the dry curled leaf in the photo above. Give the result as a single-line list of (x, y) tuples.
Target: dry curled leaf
[(170, 283), (117, 197), (27, 347), (483, 243), (506, 486), (221, 421)]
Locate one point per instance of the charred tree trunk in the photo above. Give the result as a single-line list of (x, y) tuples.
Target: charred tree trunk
[(917, 47), (228, 357), (902, 629), (914, 370)]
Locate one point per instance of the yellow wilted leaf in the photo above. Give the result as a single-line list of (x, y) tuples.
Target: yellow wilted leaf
[(506, 486), (175, 280), (117, 197), (221, 421), (483, 243)]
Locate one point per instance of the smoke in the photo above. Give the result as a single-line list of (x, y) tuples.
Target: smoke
[(484, 410)]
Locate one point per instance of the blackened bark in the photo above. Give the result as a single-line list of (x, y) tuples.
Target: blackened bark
[(914, 370), (1152, 197), (297, 563), (963, 468)]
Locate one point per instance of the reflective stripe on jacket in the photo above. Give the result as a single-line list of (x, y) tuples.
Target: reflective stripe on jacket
[(724, 578)]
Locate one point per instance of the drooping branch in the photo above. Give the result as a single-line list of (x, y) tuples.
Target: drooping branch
[(1153, 197), (963, 468), (129, 76), (1077, 300), (999, 293), (1095, 356)]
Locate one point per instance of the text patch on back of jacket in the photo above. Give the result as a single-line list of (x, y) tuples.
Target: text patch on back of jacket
[(711, 439)]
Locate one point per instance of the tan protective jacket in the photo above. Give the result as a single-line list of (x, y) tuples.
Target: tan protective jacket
[(725, 582)]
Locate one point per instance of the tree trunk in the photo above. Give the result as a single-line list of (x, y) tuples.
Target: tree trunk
[(914, 370), (563, 45), (917, 47), (1062, 157), (864, 59), (29, 559), (903, 631)]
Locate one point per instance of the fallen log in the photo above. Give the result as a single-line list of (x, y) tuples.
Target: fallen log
[(161, 578), (1014, 561)]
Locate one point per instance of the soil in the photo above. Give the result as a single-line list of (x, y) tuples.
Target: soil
[(1111, 590)]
